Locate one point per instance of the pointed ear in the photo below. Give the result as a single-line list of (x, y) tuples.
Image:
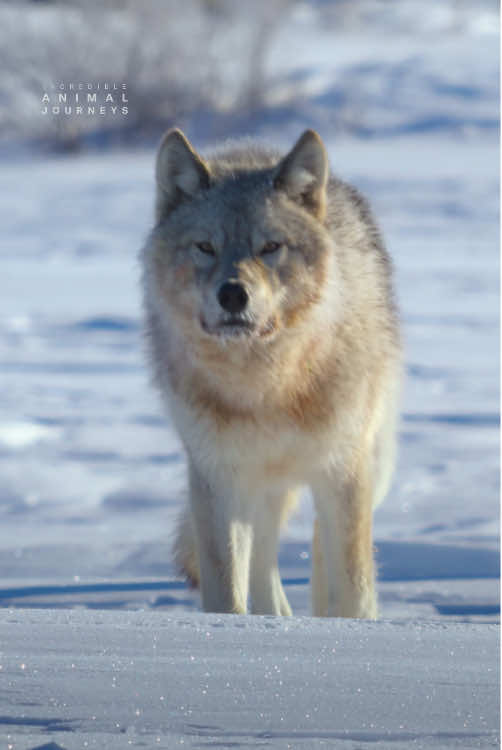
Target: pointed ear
[(180, 172), (303, 173)]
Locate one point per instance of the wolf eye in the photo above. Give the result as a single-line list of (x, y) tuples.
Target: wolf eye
[(270, 247), (206, 248)]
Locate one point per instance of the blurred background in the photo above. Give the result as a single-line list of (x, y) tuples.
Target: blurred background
[(406, 97), (365, 68)]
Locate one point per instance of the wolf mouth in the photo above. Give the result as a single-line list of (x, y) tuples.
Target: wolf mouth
[(233, 326), (237, 327), (236, 323)]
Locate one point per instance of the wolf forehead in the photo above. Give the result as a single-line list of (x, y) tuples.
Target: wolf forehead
[(238, 192), (250, 165)]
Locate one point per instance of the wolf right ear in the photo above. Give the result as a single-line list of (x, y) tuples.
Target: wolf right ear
[(180, 172)]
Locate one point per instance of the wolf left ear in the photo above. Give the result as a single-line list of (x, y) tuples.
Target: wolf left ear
[(180, 172), (303, 173)]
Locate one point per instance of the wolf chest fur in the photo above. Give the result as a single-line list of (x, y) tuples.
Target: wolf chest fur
[(273, 338)]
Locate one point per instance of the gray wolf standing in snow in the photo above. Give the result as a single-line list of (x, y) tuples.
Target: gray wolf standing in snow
[(274, 340)]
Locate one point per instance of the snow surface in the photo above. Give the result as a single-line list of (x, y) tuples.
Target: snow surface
[(141, 679)]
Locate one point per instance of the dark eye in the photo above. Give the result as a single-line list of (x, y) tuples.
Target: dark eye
[(270, 247), (206, 247)]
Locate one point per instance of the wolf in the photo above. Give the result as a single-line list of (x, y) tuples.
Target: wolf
[(273, 337)]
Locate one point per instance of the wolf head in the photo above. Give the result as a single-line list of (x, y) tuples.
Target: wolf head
[(241, 252)]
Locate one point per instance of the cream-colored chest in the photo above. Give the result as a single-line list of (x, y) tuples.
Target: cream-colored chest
[(257, 448)]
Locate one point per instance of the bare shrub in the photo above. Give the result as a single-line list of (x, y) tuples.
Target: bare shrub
[(201, 56)]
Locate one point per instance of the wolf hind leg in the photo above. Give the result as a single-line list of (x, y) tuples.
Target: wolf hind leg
[(266, 590), (319, 585), (185, 555), (268, 596), (384, 452)]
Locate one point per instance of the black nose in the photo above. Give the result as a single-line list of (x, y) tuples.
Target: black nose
[(232, 297)]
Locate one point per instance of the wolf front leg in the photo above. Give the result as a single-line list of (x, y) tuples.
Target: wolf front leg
[(267, 593), (224, 546), (343, 575)]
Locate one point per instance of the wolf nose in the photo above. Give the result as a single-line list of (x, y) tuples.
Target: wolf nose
[(232, 297)]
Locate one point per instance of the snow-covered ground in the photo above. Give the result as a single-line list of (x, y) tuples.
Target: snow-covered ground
[(92, 475), (134, 679)]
